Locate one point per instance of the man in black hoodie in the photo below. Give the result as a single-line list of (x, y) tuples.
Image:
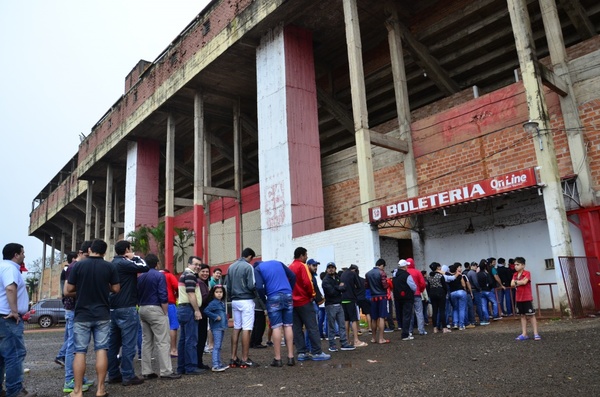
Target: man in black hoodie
[(333, 289), (349, 298)]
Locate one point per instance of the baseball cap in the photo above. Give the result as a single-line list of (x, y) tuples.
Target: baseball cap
[(312, 262), (353, 267), (402, 263), (331, 264)]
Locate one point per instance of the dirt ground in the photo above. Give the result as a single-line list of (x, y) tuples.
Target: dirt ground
[(485, 361)]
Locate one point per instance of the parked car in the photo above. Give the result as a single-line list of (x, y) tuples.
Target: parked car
[(47, 313)]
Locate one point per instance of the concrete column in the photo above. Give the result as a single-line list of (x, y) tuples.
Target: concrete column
[(63, 237), (74, 236), (141, 185), (359, 109), (88, 210), (199, 160), (170, 193), (558, 227), (568, 104), (238, 183), (291, 187), (404, 123), (97, 223), (108, 209)]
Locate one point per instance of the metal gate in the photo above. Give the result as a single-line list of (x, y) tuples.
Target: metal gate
[(582, 281)]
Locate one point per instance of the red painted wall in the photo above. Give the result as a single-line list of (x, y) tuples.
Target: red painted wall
[(303, 133), (148, 160)]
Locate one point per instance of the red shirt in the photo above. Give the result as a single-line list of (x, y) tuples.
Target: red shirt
[(303, 292), (172, 286), (523, 291)]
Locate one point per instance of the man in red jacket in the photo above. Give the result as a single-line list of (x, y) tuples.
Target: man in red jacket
[(304, 314), (420, 281)]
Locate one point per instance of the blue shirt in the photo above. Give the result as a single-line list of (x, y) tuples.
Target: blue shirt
[(10, 273), (273, 277), (216, 308), (152, 289)]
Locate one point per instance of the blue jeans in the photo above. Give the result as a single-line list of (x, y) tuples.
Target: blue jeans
[(335, 318), (505, 300), (322, 322), (187, 355), (70, 348), (62, 353), (12, 354), (305, 316), (470, 315), (459, 307), (488, 297), (218, 341), (477, 304), (124, 325)]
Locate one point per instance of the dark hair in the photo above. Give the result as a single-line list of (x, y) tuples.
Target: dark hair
[(71, 256), (298, 252), (380, 262), (204, 266), (490, 260), (453, 267), (211, 293), (434, 266), (10, 250), (322, 275), (151, 261), (511, 261), (85, 246), (217, 269), (122, 246), (501, 260), (520, 259), (98, 247), (483, 266), (191, 259), (248, 252), (467, 265)]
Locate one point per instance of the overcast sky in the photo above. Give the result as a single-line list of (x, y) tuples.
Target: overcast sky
[(62, 66)]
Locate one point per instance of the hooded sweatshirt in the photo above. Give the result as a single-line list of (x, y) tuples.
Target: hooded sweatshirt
[(417, 276)]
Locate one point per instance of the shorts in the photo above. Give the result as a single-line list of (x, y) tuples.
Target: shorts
[(243, 314), (82, 333), (379, 309), (350, 311), (281, 310), (525, 308), (365, 307), (173, 322)]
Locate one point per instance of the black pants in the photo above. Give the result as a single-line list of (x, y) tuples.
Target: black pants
[(258, 330), (404, 311), (438, 305), (202, 335)]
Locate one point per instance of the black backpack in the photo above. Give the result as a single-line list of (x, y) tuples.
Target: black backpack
[(402, 291)]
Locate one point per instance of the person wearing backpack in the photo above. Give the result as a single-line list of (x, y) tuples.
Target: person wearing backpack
[(485, 280), (404, 295)]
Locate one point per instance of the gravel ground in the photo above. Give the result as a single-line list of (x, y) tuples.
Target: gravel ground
[(477, 362)]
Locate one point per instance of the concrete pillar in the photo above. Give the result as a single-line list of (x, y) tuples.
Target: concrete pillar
[(558, 227), (360, 112), (199, 161), (97, 223), (568, 104), (238, 183), (88, 210), (74, 236), (141, 184), (404, 124), (291, 187), (108, 210), (170, 193)]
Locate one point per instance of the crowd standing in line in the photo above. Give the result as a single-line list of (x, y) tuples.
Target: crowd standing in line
[(109, 300)]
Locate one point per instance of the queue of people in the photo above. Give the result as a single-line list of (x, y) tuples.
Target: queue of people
[(185, 317)]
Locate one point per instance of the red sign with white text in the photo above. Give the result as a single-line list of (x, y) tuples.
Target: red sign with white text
[(473, 191)]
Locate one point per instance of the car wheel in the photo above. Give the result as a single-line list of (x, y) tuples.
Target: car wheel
[(45, 321)]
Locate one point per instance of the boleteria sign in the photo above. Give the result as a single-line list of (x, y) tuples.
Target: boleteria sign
[(473, 191)]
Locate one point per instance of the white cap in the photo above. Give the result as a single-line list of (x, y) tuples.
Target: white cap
[(402, 263)]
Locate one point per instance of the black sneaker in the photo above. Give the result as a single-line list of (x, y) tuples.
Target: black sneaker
[(249, 364), (291, 361), (171, 376), (204, 366), (197, 371), (112, 381), (133, 381), (60, 361), (276, 363), (150, 376), (235, 363)]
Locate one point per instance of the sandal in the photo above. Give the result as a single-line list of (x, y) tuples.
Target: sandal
[(522, 337)]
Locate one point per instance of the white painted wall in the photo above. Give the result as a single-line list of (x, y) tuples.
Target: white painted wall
[(130, 187), (530, 241), (273, 164)]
